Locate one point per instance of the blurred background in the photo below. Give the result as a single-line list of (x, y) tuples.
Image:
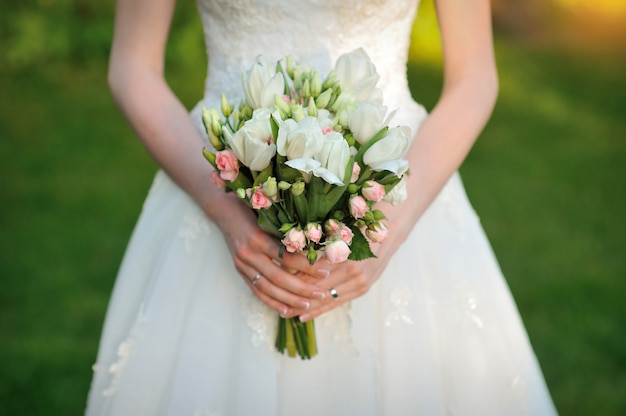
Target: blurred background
[(548, 178)]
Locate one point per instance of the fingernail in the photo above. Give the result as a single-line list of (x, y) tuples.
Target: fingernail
[(304, 304), (305, 317), (323, 273), (319, 295), (284, 312)]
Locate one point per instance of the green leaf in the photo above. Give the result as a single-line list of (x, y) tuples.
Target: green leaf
[(268, 222), (360, 247), (378, 136), (242, 181), (387, 178), (284, 172), (274, 126), (316, 198), (302, 209), (263, 175)]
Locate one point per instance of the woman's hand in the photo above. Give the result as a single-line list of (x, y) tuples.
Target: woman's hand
[(285, 284), (349, 280)]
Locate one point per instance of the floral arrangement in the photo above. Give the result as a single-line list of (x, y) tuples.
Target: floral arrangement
[(311, 158)]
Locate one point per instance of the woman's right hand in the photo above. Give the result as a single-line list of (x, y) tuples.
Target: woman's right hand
[(285, 284)]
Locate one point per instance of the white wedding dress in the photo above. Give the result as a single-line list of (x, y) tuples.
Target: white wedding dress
[(438, 334)]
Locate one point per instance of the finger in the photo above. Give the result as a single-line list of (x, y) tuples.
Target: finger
[(252, 258), (313, 313), (353, 284), (298, 261), (261, 284), (296, 284)]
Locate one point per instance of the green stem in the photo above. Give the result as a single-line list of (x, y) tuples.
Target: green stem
[(300, 344), (290, 340), (310, 329), (281, 336)]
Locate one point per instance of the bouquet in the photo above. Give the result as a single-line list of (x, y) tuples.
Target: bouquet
[(311, 157)]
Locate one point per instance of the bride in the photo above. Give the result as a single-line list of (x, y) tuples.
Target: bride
[(428, 327)]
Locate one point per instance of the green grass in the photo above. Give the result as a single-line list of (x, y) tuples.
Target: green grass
[(547, 178)]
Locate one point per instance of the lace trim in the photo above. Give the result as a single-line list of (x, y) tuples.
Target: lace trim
[(261, 320), (468, 305), (340, 320), (196, 225), (400, 299), (124, 354)]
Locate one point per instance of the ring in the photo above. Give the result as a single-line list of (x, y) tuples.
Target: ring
[(256, 278), (333, 293)]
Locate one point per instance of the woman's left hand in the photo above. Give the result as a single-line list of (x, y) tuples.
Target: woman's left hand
[(347, 281)]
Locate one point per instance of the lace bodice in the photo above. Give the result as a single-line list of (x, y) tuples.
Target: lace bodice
[(314, 31)]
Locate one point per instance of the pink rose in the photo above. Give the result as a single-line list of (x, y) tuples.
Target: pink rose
[(338, 230), (313, 232), (356, 171), (373, 191), (346, 234), (358, 206), (227, 164), (377, 232), (332, 226), (215, 178), (337, 251), (259, 199), (294, 241)]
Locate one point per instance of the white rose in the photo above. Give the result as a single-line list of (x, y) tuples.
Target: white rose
[(334, 154), (251, 144), (299, 140), (367, 120), (357, 76), (261, 83), (397, 195), (388, 152)]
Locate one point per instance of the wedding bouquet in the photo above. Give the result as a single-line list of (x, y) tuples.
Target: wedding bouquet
[(311, 157)]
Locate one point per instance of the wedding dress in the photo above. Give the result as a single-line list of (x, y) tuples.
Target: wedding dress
[(438, 334)]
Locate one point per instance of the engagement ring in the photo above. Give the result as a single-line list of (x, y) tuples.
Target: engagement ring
[(256, 278)]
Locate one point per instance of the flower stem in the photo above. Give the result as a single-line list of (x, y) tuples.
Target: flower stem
[(291, 342), (310, 329)]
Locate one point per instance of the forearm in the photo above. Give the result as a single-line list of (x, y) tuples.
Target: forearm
[(441, 145), (165, 128)]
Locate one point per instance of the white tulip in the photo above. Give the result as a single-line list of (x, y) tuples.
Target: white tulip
[(252, 143), (334, 154), (367, 120), (299, 140), (397, 195), (261, 83), (357, 76), (386, 154)]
